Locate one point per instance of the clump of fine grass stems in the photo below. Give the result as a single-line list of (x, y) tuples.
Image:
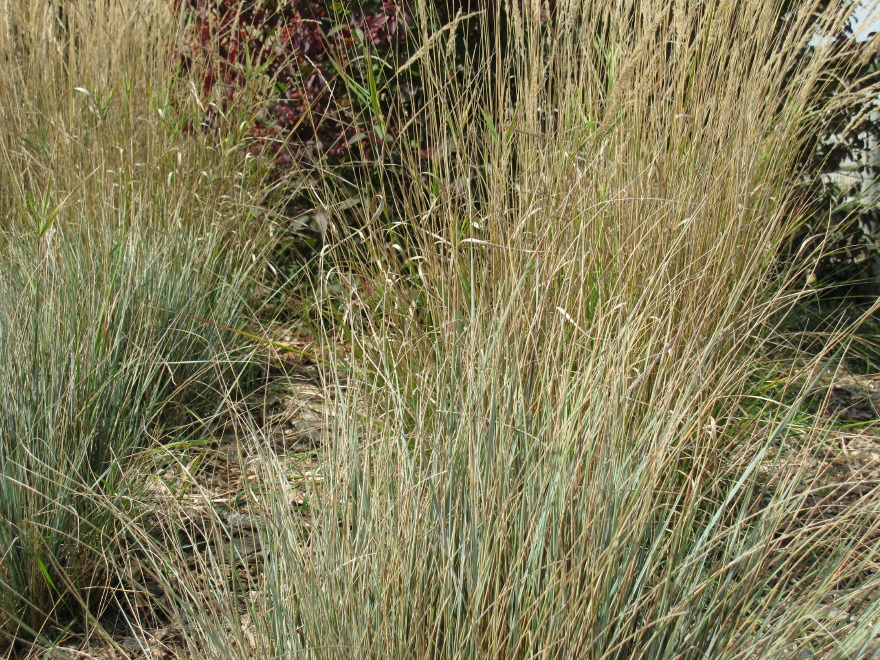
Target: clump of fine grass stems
[(125, 227), (556, 439)]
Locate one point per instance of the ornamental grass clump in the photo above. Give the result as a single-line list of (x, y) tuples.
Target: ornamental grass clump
[(554, 433), (100, 329), (556, 437), (124, 229)]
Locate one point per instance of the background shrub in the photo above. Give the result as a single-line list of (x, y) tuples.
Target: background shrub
[(327, 62), (838, 169)]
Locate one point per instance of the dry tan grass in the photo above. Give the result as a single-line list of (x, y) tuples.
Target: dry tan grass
[(557, 436), (120, 230)]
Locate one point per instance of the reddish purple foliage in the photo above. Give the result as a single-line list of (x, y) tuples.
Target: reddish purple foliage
[(303, 44)]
